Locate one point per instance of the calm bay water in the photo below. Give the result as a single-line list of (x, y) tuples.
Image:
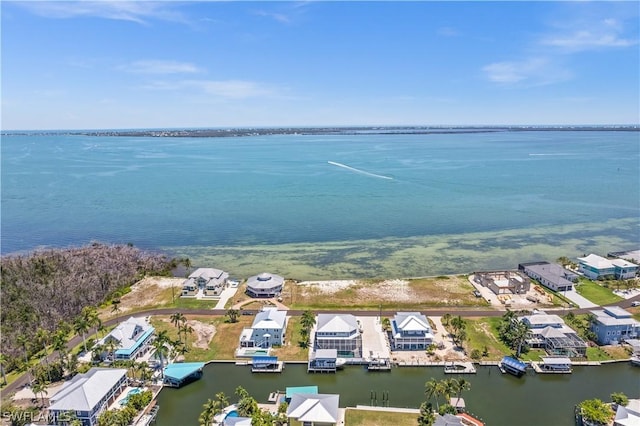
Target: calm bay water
[(499, 399), (329, 206)]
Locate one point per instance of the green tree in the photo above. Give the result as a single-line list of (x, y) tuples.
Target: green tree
[(208, 413), (247, 406), (160, 345), (40, 388), (427, 417), (308, 320), (232, 315), (177, 319), (185, 329), (446, 319), (620, 398), (3, 362), (463, 385), (432, 389), (81, 326), (595, 411)]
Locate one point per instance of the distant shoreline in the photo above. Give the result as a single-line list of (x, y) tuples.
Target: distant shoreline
[(352, 130)]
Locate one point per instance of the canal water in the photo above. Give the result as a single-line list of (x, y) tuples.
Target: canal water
[(498, 399)]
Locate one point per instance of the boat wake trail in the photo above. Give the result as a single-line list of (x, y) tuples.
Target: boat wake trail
[(353, 169)]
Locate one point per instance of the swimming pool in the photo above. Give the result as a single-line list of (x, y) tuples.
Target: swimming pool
[(133, 391)]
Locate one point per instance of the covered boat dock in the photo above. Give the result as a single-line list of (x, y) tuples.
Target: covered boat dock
[(181, 373), (512, 366), (553, 365)]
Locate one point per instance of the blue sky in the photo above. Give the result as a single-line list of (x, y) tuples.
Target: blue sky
[(118, 64)]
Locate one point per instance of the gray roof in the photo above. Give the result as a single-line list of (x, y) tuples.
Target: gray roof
[(542, 319), (336, 323), (265, 281), (270, 318), (319, 408), (208, 273), (325, 354), (448, 420), (128, 332), (84, 391), (551, 272), (624, 318)]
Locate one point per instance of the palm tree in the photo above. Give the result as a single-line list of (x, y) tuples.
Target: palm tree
[(463, 385), (185, 329), (91, 315), (427, 416), (40, 388), (178, 318), (308, 320), (446, 319), (60, 345), (24, 341), (160, 345), (207, 415), (449, 388), (233, 315), (42, 337), (81, 326), (432, 390), (519, 333)]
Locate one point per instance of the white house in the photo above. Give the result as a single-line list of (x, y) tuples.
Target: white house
[(268, 329), (265, 285), (131, 338), (88, 395), (314, 409), (340, 332), (551, 275), (554, 336), (410, 331), (594, 267)]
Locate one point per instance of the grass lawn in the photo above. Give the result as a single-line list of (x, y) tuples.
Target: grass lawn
[(223, 344), (379, 418), (597, 354), (389, 295), (596, 293), (483, 332), (291, 351)]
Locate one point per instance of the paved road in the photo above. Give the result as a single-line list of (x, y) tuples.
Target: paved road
[(468, 312)]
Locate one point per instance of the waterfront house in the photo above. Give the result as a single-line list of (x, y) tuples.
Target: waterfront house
[(268, 329), (410, 331), (550, 275), (613, 325), (131, 339), (628, 415), (265, 285), (210, 280), (503, 282), (554, 336), (595, 267), (88, 395), (340, 332), (314, 409)]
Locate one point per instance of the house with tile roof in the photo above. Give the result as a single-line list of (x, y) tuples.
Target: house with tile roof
[(131, 339), (315, 409), (410, 331), (265, 285), (340, 332), (268, 329), (613, 325), (89, 394)]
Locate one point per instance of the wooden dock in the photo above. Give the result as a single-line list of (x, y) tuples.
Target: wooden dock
[(273, 368)]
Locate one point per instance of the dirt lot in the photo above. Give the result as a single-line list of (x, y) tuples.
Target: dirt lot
[(150, 292), (396, 293)]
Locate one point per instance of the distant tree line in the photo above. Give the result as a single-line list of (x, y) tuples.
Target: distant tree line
[(46, 290)]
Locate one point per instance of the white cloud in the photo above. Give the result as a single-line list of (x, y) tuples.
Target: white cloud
[(531, 72), (134, 11), (160, 67), (227, 89), (280, 17), (604, 33)]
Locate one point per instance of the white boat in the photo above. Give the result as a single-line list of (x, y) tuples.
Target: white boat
[(635, 360)]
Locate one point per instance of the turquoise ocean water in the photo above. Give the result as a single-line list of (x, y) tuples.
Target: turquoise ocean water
[(333, 206)]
